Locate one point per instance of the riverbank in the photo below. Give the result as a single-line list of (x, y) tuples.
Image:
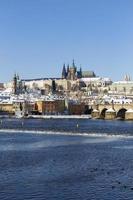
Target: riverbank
[(59, 116)]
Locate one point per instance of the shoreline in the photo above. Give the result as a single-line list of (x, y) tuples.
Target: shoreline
[(58, 117)]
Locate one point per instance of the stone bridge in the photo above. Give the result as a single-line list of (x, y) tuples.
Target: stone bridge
[(112, 111)]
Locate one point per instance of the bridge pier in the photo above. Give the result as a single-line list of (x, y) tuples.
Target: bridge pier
[(95, 114), (110, 114), (129, 114)]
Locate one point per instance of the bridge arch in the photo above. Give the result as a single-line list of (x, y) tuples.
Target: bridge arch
[(121, 113), (102, 114)]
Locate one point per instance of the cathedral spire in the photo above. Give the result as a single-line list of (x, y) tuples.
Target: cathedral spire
[(67, 68), (64, 71), (73, 64)]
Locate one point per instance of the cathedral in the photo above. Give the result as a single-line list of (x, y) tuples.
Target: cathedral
[(71, 72)]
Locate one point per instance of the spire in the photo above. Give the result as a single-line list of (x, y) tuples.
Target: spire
[(80, 72), (126, 78), (64, 71), (15, 76), (67, 68), (73, 64)]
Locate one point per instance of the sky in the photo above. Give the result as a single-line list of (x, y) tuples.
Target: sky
[(38, 36)]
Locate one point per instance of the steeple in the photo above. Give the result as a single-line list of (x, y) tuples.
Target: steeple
[(64, 74), (67, 69), (73, 64), (126, 78), (15, 76), (80, 72)]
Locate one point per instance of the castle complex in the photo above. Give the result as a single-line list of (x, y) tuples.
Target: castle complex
[(71, 80)]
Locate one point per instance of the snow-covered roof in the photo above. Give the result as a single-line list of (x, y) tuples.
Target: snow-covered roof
[(107, 79), (110, 110), (123, 82), (129, 111), (94, 79), (95, 110), (90, 79)]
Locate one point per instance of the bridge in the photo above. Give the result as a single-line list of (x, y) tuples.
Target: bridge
[(112, 111)]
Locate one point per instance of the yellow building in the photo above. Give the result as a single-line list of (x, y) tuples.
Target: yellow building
[(7, 108)]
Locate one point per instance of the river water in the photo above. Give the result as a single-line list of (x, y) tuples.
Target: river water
[(66, 159)]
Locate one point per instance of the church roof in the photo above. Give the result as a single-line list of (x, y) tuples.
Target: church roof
[(88, 74)]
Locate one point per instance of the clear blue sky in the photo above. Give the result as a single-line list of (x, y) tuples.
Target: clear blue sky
[(38, 36)]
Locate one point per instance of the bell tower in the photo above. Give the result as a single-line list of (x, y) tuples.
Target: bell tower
[(15, 84)]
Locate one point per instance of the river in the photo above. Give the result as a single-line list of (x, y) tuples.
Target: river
[(66, 159)]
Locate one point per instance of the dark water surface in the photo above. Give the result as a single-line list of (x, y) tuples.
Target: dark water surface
[(93, 162)]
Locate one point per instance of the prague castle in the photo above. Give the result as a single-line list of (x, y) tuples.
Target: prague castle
[(72, 79)]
